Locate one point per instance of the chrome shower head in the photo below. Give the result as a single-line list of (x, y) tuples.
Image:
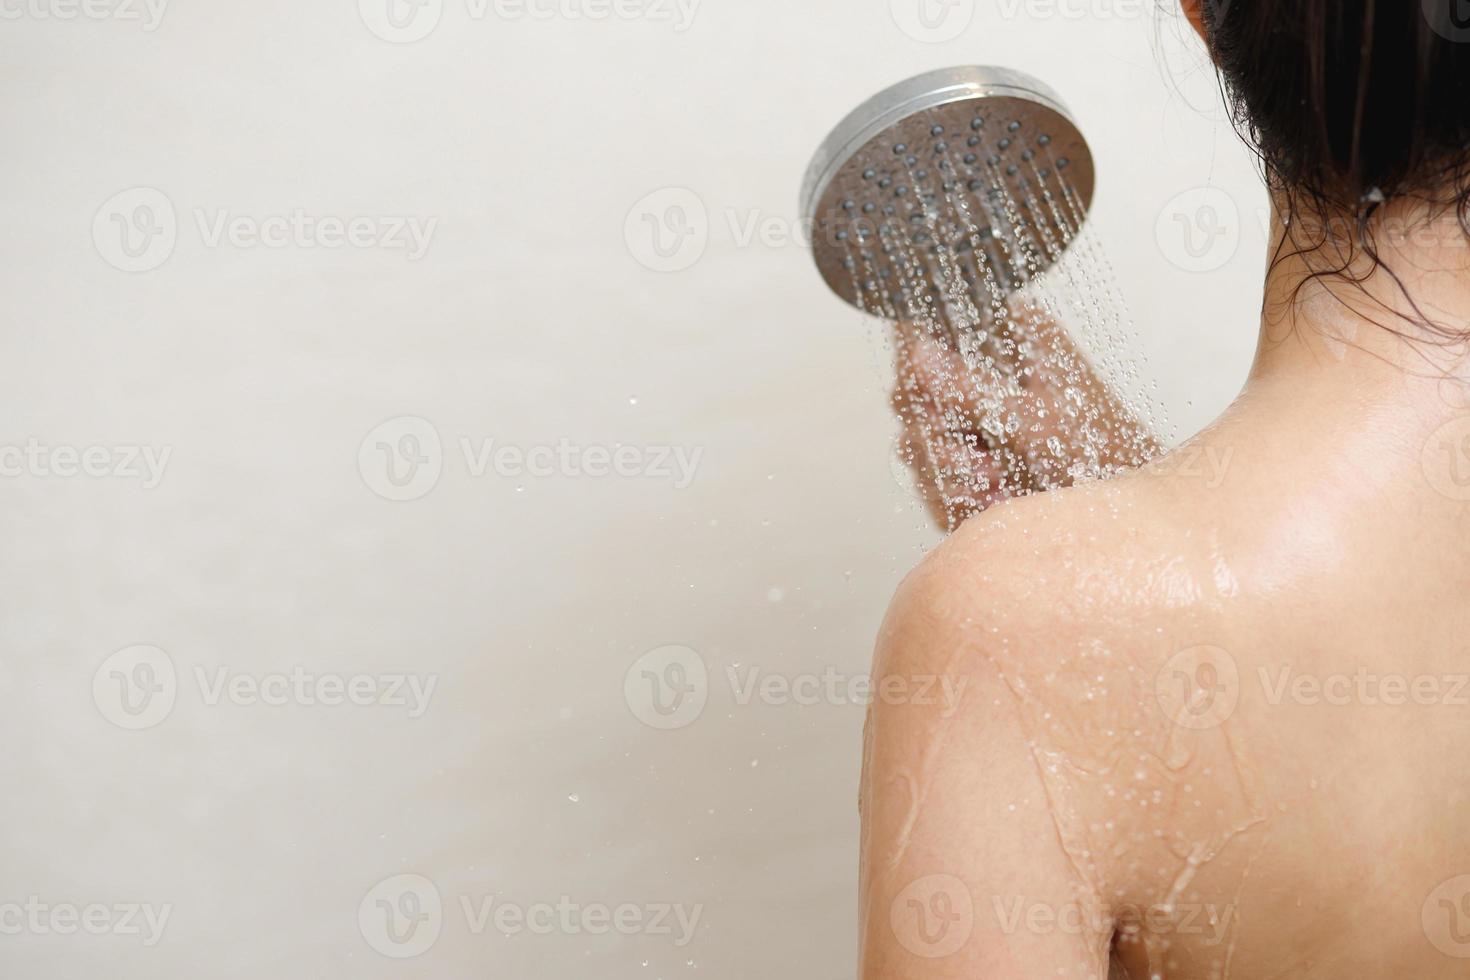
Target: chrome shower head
[(943, 194)]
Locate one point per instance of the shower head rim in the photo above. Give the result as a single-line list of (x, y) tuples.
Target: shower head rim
[(929, 90)]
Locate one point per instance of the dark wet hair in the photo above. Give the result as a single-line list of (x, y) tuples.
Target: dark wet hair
[(1350, 103)]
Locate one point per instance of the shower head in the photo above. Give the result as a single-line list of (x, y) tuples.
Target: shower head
[(943, 194)]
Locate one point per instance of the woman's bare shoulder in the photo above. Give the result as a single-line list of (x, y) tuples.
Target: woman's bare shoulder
[(1062, 626), (1096, 558)]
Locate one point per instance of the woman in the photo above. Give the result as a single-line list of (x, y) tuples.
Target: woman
[(1216, 720)]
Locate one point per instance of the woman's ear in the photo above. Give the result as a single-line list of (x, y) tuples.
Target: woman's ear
[(1195, 11)]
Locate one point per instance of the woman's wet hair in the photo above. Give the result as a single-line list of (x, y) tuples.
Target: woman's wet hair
[(1350, 104)]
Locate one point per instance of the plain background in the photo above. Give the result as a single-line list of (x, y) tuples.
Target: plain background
[(530, 320)]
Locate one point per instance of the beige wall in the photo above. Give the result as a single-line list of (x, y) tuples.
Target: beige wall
[(267, 543)]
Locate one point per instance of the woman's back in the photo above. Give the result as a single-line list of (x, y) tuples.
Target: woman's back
[(1216, 713)]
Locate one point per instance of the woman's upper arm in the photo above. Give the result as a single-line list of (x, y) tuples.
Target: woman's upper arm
[(963, 873)]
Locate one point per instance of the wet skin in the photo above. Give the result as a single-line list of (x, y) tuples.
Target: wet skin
[(1215, 719)]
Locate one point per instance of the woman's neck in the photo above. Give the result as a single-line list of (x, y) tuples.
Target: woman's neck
[(1385, 334)]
